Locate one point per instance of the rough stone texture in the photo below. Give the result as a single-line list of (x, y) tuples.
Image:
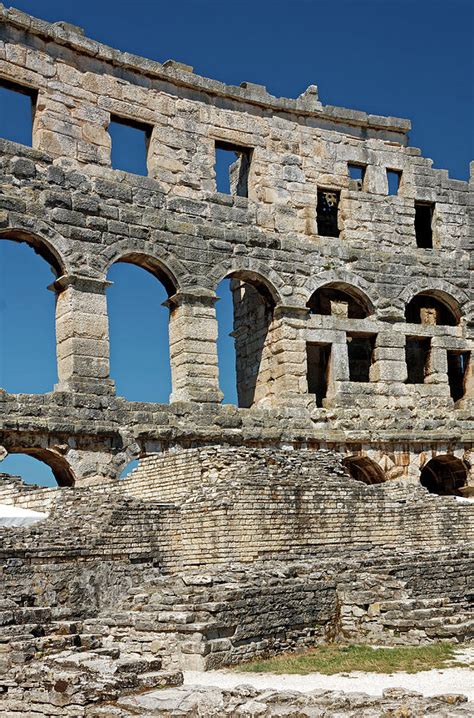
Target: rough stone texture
[(240, 533), (63, 197)]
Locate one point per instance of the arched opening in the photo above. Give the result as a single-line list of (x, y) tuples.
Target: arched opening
[(127, 470), (340, 300), (38, 466), (138, 328), (444, 475), (244, 315), (433, 308), (361, 468), (27, 315)]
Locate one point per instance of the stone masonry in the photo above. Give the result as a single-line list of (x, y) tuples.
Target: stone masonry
[(333, 503)]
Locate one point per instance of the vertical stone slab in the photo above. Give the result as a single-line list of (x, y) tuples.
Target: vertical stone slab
[(289, 368), (82, 335), (193, 347)]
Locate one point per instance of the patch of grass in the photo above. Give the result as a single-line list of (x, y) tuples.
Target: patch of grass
[(344, 659)]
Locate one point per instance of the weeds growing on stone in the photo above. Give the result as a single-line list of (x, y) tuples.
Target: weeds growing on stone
[(344, 659)]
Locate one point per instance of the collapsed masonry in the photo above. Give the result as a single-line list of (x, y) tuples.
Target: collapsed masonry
[(331, 503)]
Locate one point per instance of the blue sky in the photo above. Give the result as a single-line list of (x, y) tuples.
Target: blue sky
[(409, 58)]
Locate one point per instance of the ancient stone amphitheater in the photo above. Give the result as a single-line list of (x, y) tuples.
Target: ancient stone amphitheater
[(332, 503)]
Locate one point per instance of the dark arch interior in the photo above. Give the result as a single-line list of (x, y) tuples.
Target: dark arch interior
[(361, 468), (324, 299), (427, 309), (59, 466), (265, 291), (444, 475)]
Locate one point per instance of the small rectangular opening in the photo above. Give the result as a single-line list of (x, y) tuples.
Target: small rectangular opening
[(360, 351), (327, 212), (232, 168), (318, 362), (357, 176), (130, 142), (424, 224), (17, 108), (417, 354), (458, 363), (394, 178)]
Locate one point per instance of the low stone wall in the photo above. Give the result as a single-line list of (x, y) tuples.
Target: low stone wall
[(243, 504), (13, 490)]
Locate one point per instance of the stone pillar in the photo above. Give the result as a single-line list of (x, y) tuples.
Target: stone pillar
[(288, 345), (82, 335), (438, 366), (389, 358), (193, 346)]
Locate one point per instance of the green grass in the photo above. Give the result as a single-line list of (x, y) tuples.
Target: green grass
[(344, 659)]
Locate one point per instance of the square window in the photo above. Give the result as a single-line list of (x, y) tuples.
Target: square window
[(318, 357), (394, 179), (327, 212), (424, 224), (360, 350), (232, 168), (458, 363), (417, 354), (357, 176), (17, 106), (130, 142)]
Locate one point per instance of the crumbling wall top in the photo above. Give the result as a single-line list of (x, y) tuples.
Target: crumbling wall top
[(182, 75)]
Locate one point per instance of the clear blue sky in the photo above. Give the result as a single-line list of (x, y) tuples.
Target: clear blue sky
[(409, 58)]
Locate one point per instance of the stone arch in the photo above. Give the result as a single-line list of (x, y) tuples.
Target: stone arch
[(359, 304), (160, 263), (444, 475), (364, 469), (45, 248), (251, 272), (352, 284), (60, 467), (447, 308), (455, 299)]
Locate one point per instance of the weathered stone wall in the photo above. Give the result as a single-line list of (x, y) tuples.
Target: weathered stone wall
[(64, 198), (238, 504)]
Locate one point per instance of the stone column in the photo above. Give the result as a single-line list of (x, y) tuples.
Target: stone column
[(389, 358), (289, 369), (82, 335), (193, 346)]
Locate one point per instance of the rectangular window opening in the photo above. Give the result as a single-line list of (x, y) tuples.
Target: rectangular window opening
[(360, 350), (318, 365), (424, 224), (357, 176), (458, 363), (130, 142), (17, 108), (394, 179), (232, 168), (327, 212), (417, 354)]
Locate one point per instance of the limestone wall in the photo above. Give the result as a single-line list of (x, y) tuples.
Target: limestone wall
[(64, 198), (238, 504)]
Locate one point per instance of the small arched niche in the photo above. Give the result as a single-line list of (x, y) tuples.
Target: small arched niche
[(340, 300), (432, 308), (363, 469), (38, 466), (139, 327), (444, 475), (244, 315)]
